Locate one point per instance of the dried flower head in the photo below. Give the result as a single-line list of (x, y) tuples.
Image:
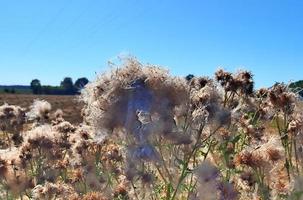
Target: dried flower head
[(281, 98), (50, 190), (12, 118), (39, 111), (94, 196), (3, 167)]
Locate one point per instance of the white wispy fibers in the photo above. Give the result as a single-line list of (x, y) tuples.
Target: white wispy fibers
[(206, 103), (11, 117), (39, 111), (64, 127), (40, 131), (116, 98), (135, 103)]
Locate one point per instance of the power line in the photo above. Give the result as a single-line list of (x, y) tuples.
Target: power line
[(45, 28)]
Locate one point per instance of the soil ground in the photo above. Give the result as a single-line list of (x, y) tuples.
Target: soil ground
[(68, 104)]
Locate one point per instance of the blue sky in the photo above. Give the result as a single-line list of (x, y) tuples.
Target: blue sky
[(51, 39)]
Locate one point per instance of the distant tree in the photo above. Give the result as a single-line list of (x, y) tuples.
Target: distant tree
[(53, 90), (36, 86), (80, 83), (46, 89), (6, 90), (298, 84), (189, 77), (13, 91), (68, 85), (297, 87)]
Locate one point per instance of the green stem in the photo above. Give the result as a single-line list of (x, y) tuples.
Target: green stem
[(135, 192), (296, 154), (185, 166)]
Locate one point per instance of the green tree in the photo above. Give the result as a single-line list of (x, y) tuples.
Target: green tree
[(189, 77), (298, 84), (68, 85), (297, 87), (36, 86), (80, 83)]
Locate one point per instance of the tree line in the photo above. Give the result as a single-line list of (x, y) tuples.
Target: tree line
[(297, 87), (67, 87)]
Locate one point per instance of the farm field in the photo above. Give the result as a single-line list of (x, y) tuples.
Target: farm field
[(70, 106)]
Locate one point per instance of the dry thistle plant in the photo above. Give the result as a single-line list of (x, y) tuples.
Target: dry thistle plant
[(39, 112), (12, 119), (149, 135)]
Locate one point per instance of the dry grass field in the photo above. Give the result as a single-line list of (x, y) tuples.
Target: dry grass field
[(68, 104)]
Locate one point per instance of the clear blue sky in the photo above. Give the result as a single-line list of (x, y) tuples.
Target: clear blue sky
[(51, 39)]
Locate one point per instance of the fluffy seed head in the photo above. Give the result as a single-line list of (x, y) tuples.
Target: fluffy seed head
[(40, 110)]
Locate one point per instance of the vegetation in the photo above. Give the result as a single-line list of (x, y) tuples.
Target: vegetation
[(15, 89), (149, 135), (36, 86), (67, 87), (298, 84), (297, 87)]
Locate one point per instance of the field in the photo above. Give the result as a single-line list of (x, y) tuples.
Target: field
[(70, 106), (146, 134)]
